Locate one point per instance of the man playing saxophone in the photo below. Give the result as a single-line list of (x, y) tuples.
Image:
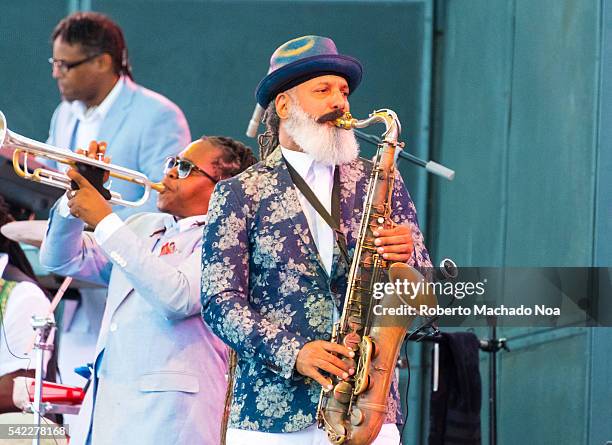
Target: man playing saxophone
[(159, 373), (275, 271)]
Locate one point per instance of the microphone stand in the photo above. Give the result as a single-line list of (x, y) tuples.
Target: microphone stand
[(43, 327), (493, 345), (430, 166)]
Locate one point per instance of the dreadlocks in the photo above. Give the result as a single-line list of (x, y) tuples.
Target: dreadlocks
[(268, 141), (235, 158), (97, 34)]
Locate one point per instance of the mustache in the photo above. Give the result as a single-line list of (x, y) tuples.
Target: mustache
[(331, 116)]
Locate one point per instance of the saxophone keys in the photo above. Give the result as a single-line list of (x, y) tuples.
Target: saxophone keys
[(351, 341), (357, 416), (343, 392), (374, 350), (362, 383), (337, 435)]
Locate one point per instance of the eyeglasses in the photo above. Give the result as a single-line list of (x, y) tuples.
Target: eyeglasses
[(184, 167), (64, 66)]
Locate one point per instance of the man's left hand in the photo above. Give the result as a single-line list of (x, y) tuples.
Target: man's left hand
[(86, 203), (394, 244)]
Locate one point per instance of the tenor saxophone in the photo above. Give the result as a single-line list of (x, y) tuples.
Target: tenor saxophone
[(353, 412)]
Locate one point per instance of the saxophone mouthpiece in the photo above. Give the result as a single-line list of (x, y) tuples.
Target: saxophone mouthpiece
[(331, 116), (345, 121)]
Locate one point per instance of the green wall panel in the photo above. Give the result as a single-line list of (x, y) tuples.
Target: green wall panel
[(28, 94), (515, 106), (521, 110), (603, 222), (470, 130), (599, 410), (550, 192), (542, 392)]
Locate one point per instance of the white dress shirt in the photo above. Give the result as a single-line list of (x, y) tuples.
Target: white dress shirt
[(90, 119), (320, 179), (17, 335)]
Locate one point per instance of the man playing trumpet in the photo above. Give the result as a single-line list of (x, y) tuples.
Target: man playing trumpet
[(158, 373), (101, 101)]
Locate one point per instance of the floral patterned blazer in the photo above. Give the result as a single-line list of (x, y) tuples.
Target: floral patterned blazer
[(266, 293)]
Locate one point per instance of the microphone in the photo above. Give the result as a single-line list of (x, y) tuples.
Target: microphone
[(430, 166), (437, 169), (255, 121)]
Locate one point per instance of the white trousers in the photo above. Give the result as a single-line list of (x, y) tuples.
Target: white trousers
[(389, 435)]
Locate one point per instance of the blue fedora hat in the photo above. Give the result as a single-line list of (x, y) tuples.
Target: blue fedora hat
[(302, 59)]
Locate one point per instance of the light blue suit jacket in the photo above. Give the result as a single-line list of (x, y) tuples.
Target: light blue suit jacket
[(159, 371), (141, 128)]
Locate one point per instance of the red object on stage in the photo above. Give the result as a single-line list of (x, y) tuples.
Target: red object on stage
[(59, 394)]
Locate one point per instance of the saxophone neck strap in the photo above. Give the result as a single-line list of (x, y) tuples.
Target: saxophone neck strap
[(332, 220)]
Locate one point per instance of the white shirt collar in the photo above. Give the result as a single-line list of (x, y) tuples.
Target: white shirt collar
[(3, 262), (299, 160), (85, 114), (183, 224), (302, 162)]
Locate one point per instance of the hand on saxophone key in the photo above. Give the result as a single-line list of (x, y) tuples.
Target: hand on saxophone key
[(317, 356), (394, 244)]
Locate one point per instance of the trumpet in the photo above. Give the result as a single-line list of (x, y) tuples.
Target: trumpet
[(22, 145)]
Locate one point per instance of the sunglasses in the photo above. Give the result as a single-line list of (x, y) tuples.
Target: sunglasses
[(184, 167), (64, 66)]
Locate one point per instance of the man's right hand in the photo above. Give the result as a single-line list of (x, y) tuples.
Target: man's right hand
[(317, 355)]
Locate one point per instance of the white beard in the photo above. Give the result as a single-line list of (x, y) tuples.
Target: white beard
[(326, 144)]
